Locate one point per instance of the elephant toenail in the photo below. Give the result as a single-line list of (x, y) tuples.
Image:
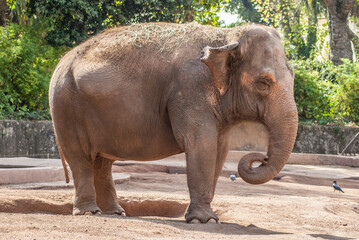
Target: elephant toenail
[(212, 221), (195, 221)]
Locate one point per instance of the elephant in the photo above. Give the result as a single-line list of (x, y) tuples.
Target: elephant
[(148, 91)]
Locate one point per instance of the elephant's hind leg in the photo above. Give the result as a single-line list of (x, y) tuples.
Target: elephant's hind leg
[(85, 195), (105, 189), (82, 166)]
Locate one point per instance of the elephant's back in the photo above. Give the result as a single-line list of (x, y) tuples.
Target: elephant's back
[(162, 41), (162, 38)]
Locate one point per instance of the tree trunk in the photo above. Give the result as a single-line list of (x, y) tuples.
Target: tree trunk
[(4, 13), (23, 19), (188, 12), (340, 45)]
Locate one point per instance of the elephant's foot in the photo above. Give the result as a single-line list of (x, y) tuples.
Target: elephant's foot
[(89, 209), (115, 210), (200, 213)]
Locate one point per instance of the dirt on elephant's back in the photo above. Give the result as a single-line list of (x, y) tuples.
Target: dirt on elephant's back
[(156, 201)]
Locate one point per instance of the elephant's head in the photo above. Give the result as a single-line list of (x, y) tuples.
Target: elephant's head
[(256, 83)]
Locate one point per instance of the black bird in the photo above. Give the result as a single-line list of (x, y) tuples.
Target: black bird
[(336, 187)]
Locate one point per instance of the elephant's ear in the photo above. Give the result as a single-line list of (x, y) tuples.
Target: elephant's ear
[(218, 62)]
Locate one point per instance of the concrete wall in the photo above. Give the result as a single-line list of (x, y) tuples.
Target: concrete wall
[(325, 139), (36, 139), (250, 136), (27, 139)]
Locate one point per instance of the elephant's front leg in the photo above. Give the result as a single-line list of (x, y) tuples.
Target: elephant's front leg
[(201, 166), (222, 152)]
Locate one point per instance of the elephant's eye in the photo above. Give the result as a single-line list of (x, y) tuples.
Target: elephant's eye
[(263, 85)]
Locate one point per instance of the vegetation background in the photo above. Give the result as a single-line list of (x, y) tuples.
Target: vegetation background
[(319, 37)]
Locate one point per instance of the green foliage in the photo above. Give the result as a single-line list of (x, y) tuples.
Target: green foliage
[(136, 11), (26, 65), (326, 93), (74, 21), (207, 10), (246, 10), (17, 11), (297, 20), (179, 11), (347, 95), (310, 91)]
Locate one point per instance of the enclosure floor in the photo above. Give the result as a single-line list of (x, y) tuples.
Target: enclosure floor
[(298, 204)]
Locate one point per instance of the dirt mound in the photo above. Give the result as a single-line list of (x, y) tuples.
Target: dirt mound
[(35, 206), (160, 208)]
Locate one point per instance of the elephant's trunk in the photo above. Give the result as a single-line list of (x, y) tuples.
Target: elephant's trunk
[(282, 135)]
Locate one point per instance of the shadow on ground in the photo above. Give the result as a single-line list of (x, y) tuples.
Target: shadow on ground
[(222, 228), (330, 237)]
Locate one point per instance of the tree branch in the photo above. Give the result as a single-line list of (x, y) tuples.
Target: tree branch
[(355, 40), (347, 6), (328, 3), (355, 10), (4, 13)]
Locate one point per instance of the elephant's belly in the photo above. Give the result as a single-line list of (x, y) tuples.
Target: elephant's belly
[(126, 142), (146, 152)]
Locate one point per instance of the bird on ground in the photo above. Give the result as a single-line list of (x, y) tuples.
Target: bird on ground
[(232, 177), (336, 187)]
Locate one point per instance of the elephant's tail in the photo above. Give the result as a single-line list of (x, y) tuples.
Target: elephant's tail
[(64, 165)]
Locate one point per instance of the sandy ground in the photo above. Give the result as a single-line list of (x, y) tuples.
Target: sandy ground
[(290, 207)]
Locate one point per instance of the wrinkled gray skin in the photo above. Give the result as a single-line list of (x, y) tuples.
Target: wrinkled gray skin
[(113, 99)]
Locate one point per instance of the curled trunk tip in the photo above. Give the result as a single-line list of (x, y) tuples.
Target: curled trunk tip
[(255, 175)]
